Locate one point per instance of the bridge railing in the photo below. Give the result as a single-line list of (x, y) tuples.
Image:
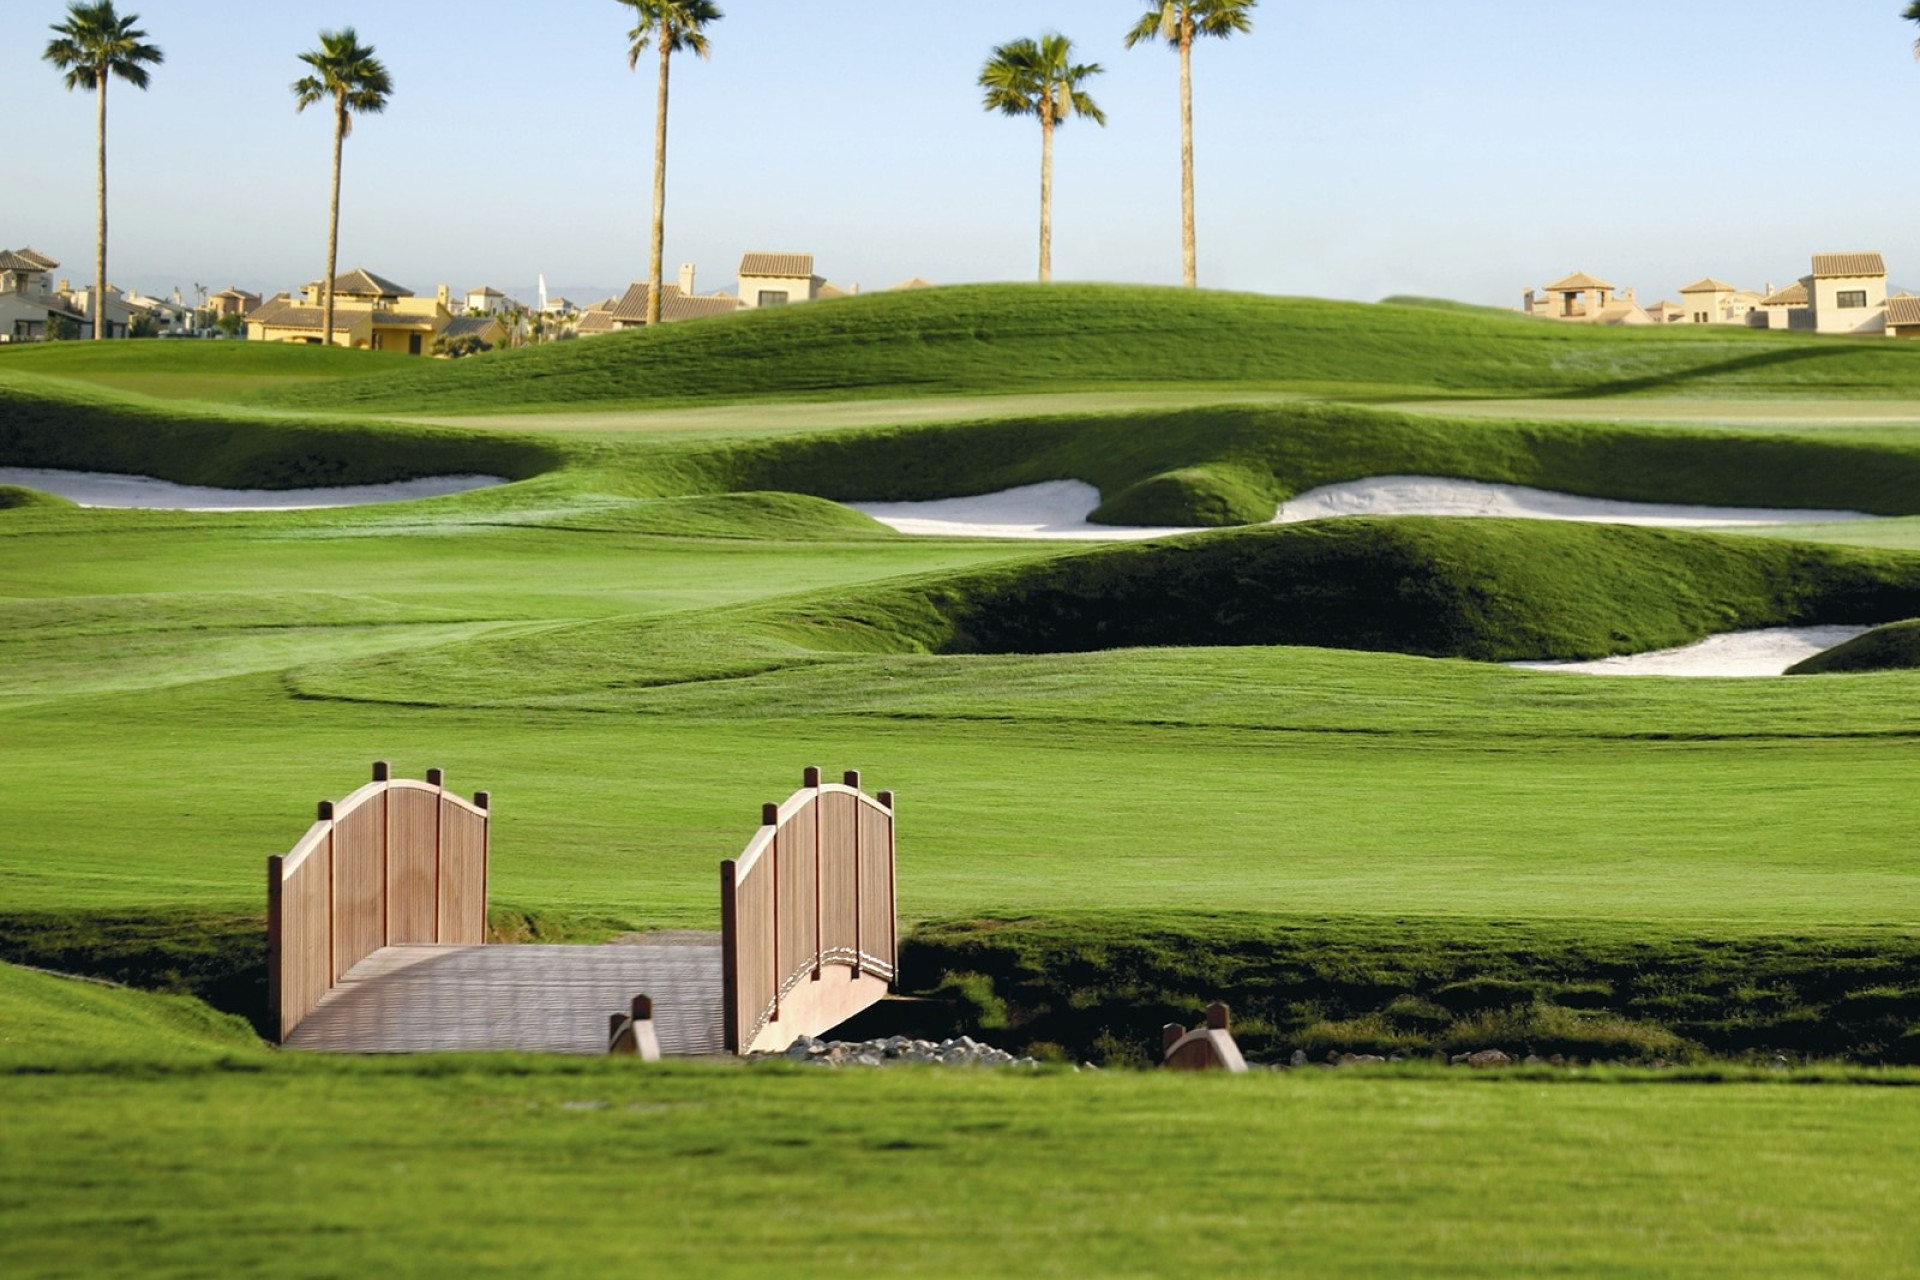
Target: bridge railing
[(809, 932), (398, 861)]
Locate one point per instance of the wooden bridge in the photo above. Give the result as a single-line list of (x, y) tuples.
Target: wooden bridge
[(377, 935)]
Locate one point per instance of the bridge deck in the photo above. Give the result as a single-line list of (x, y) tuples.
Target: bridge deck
[(534, 999)]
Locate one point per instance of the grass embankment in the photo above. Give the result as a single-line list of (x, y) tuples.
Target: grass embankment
[(1414, 987), (479, 1168), (995, 339), (1889, 648), (1489, 590), (1214, 466), (176, 370), (49, 1023), (47, 424)]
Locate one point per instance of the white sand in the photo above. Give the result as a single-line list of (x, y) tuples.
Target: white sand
[(1737, 653), (101, 489), (1429, 496), (1059, 509), (1056, 509)]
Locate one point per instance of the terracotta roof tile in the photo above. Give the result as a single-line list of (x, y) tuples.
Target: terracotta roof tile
[(1580, 282), (784, 265), (1826, 266), (1903, 312)]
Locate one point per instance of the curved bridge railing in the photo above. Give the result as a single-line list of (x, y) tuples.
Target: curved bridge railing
[(809, 934), (397, 861)]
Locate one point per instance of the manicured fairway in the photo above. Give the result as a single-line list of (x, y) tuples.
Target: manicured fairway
[(1126, 783), (467, 1170)]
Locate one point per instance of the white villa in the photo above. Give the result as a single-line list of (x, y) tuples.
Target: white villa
[(27, 300), (1846, 293)]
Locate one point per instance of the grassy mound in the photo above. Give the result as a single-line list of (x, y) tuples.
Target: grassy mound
[(48, 1021), (1233, 463), (15, 497), (994, 339), (1490, 590), (45, 424), (1890, 648), (1494, 590), (217, 371)]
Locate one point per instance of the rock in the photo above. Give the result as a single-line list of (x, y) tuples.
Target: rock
[(1299, 1058), (802, 1049), (1530, 1060), (1458, 1059), (1485, 1058)]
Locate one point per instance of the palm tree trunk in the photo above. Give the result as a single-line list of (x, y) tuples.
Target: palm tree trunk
[(100, 239), (1188, 251), (333, 225), (1046, 190), (658, 264)]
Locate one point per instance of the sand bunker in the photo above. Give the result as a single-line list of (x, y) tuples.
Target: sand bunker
[(100, 489), (1738, 653), (1059, 509), (1428, 496)]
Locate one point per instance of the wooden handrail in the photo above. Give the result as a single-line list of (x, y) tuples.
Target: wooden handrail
[(397, 861), (808, 914)]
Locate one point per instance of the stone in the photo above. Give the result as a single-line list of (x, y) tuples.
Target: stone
[(1484, 1058), (1299, 1058)]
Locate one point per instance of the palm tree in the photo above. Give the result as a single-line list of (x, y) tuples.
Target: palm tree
[(1913, 15), (92, 46), (1040, 78), (671, 26), (1180, 23), (358, 84)]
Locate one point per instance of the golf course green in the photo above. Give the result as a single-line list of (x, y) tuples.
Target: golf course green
[(1278, 765)]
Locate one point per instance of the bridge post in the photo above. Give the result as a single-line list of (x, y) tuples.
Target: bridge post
[(812, 778), (893, 887), (852, 779), (730, 956), (382, 771)]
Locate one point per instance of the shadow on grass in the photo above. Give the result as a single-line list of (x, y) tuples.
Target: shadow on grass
[(1680, 378)]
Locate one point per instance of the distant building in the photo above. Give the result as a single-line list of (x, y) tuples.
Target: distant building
[(487, 302), (1903, 316), (630, 310), (371, 313), (232, 302), (1848, 293), (28, 303), (777, 279), (1712, 301)]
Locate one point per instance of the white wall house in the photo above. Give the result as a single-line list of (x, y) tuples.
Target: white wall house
[(1848, 293), (777, 279), (1712, 301)]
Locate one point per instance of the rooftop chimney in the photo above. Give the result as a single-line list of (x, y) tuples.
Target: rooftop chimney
[(686, 278)]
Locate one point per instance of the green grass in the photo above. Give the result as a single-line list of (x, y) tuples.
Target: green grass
[(50, 1023), (996, 339), (179, 370), (648, 634), (471, 1169), (1889, 648)]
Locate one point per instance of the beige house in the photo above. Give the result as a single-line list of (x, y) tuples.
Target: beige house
[(1584, 299), (777, 279), (1903, 316), (1783, 309), (1848, 293), (1712, 301), (630, 310), (28, 303), (232, 302), (371, 313)]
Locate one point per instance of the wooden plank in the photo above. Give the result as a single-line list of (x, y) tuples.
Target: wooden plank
[(534, 999), (876, 890), (463, 874), (413, 862), (796, 937), (359, 882), (839, 883)]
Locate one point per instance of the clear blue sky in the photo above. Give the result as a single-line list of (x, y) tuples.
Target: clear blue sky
[(1348, 148)]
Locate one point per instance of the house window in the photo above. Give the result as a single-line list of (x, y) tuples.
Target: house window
[(773, 297), (1851, 299)]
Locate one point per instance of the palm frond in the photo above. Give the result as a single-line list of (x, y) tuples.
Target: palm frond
[(96, 43), (679, 26)]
